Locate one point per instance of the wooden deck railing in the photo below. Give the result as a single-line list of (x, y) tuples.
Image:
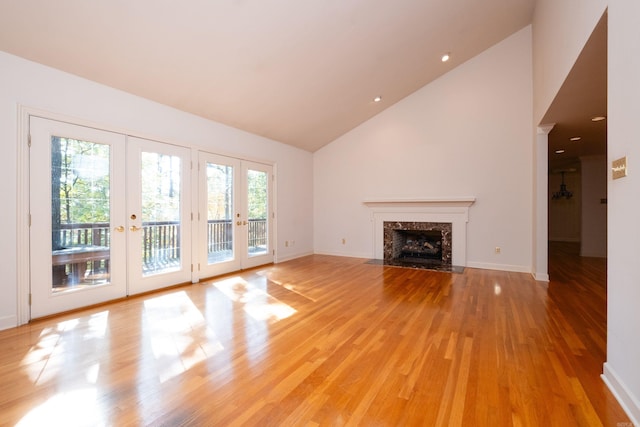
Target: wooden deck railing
[(161, 239), (220, 234)]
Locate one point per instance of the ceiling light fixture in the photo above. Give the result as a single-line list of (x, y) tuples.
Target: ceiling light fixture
[(445, 57), (575, 138), (377, 99), (598, 118), (563, 191)]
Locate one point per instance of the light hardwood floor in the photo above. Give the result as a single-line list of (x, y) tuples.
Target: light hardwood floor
[(325, 341)]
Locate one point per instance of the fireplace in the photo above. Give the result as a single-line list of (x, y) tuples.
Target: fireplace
[(446, 216), (417, 242)]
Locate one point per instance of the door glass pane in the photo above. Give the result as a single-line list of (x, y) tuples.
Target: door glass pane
[(160, 198), (219, 213), (257, 199), (80, 217)]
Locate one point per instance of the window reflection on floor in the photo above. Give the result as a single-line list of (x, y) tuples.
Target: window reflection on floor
[(257, 303), (52, 352), (177, 333), (72, 408)]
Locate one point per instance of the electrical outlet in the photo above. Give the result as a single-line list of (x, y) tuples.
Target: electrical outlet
[(498, 249), (293, 243), (286, 243), (344, 241)]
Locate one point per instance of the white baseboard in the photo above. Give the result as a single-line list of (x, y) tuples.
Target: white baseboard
[(481, 265), (501, 267), (291, 257), (344, 254), (8, 322), (627, 400), (540, 277)]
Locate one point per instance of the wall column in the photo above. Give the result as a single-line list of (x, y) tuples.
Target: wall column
[(541, 204)]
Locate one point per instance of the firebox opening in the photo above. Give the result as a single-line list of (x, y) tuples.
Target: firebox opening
[(417, 245)]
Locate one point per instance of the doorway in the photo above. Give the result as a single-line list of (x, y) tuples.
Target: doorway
[(113, 215), (576, 151), (236, 214)]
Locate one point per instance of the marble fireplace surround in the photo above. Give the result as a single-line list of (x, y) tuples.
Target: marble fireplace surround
[(454, 210)]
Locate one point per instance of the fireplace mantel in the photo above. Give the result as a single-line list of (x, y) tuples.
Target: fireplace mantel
[(422, 202), (454, 210)]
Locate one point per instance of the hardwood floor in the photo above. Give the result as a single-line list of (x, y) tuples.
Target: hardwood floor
[(325, 341)]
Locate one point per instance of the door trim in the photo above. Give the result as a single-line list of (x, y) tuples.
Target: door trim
[(23, 312)]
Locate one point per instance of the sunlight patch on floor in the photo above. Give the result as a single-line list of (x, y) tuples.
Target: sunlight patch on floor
[(288, 286), (69, 409), (257, 303), (46, 358), (178, 334)]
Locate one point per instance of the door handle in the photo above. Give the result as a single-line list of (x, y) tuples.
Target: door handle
[(239, 223), (134, 228), (119, 229)]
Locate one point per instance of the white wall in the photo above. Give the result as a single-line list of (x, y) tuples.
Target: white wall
[(622, 369), (593, 240), (560, 30), (35, 86), (466, 134)]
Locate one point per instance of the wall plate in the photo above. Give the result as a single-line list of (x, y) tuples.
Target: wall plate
[(619, 167)]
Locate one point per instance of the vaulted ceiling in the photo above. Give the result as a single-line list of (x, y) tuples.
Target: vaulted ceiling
[(582, 97), (299, 72)]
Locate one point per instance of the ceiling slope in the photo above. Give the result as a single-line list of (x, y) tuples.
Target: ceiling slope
[(299, 72)]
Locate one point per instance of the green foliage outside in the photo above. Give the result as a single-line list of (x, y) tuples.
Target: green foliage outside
[(257, 189), (160, 187), (80, 186), (80, 178)]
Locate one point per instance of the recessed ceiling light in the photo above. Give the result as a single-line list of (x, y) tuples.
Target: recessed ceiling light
[(377, 99), (445, 57), (575, 138), (598, 118), (559, 151)]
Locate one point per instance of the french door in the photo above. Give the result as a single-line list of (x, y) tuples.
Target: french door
[(109, 216), (236, 214), (77, 210), (158, 215)]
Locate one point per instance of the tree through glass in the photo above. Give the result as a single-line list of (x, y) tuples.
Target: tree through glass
[(160, 198), (80, 213), (219, 213), (258, 208)]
